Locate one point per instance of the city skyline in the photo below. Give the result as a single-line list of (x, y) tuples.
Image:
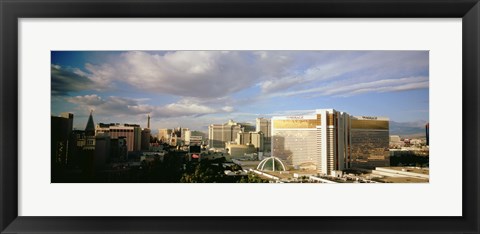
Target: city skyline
[(194, 89)]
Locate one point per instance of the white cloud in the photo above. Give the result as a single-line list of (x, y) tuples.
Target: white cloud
[(228, 109), (347, 89), (212, 86), (347, 69), (201, 74), (116, 107), (197, 74), (216, 74), (207, 81)]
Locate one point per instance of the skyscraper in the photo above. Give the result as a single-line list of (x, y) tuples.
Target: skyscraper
[(370, 142), (264, 125), (131, 132), (219, 134), (318, 142), (146, 133), (61, 129), (254, 138), (148, 121), (164, 135), (146, 139)]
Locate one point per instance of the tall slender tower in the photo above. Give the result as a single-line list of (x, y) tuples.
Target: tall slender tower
[(146, 133), (148, 121)]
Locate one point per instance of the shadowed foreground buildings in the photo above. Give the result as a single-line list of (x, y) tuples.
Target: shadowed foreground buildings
[(79, 154), (61, 132), (326, 142), (131, 132), (330, 141)]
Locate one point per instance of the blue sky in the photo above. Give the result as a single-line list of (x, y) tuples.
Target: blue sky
[(196, 88)]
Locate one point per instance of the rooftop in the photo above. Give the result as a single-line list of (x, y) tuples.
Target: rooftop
[(424, 171)]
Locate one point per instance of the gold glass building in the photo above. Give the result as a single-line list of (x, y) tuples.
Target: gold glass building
[(316, 142), (330, 141), (370, 142)]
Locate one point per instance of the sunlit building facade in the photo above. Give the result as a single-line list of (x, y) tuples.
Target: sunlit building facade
[(164, 134), (370, 142), (320, 141), (254, 138), (219, 134), (265, 125), (131, 133)]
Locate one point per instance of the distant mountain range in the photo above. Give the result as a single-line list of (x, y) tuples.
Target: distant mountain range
[(408, 129)]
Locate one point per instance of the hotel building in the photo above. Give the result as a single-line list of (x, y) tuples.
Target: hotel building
[(131, 132), (164, 134), (264, 125), (254, 138), (370, 142), (219, 134), (330, 141), (318, 142)]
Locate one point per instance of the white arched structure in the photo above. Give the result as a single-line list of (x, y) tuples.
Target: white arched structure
[(280, 165)]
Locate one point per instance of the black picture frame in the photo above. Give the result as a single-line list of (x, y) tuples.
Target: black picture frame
[(11, 11)]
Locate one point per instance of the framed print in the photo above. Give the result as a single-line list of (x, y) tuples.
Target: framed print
[(239, 116)]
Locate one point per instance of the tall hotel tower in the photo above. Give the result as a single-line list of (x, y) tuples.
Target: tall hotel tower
[(329, 141), (320, 141), (219, 134), (264, 125), (370, 142)]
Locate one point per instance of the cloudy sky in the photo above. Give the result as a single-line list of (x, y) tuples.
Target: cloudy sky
[(196, 88)]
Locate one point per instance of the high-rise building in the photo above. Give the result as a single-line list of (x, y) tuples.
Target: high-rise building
[(370, 142), (175, 137), (148, 121), (219, 134), (257, 139), (69, 116), (164, 135), (184, 130), (137, 136), (254, 138), (146, 133), (264, 125), (129, 131), (243, 138), (118, 150), (146, 139), (102, 150), (75, 147), (61, 129), (318, 142), (187, 134)]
